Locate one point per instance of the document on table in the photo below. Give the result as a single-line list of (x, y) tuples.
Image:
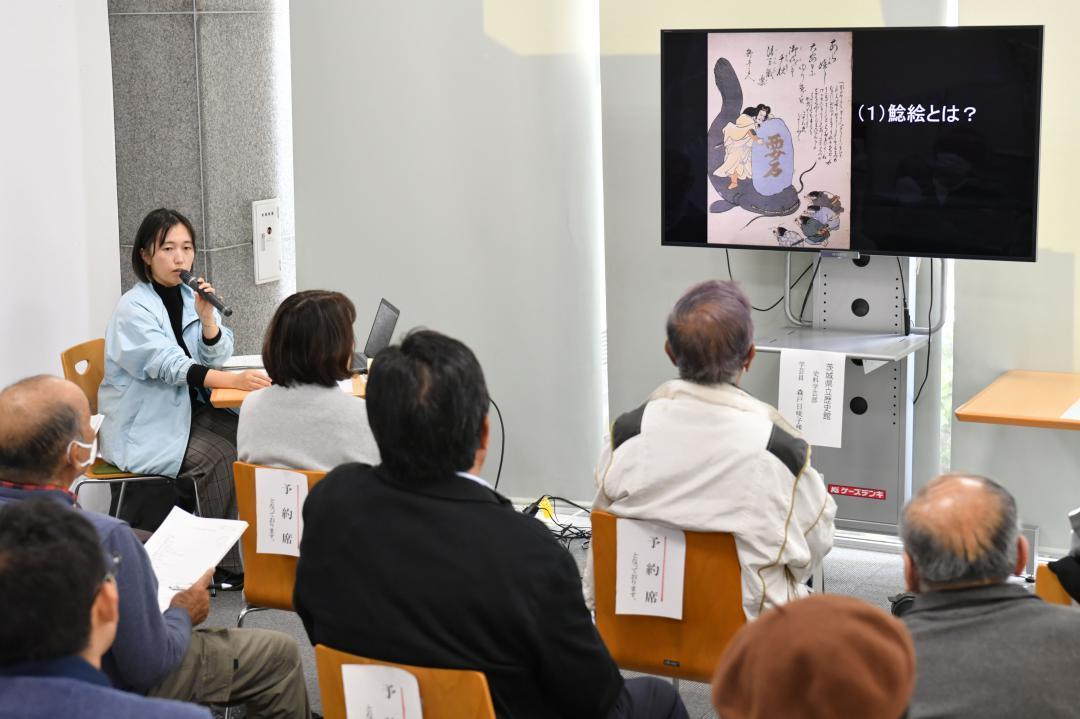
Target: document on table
[(1072, 412), (650, 566), (380, 691), (238, 362), (185, 546)]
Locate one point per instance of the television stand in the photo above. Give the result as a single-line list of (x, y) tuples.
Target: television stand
[(859, 310)]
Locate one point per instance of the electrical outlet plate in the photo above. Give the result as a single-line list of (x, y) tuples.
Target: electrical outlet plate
[(266, 236)]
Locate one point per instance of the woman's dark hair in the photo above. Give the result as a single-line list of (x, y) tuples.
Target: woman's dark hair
[(426, 403), (310, 339), (753, 111), (151, 234), (51, 568)]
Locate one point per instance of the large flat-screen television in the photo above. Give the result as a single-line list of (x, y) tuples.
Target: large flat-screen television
[(893, 141)]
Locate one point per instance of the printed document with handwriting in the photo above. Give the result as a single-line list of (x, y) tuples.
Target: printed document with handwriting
[(185, 546)]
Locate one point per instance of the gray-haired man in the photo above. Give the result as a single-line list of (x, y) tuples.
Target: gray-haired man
[(983, 648), (704, 455)]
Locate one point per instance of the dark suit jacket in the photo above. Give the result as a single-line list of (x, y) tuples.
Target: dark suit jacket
[(444, 573)]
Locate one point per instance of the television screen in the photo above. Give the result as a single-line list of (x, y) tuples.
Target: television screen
[(894, 141)]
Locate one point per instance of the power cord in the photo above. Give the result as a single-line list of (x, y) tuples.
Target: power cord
[(929, 336), (809, 287), (567, 533), (903, 290), (727, 256), (502, 442)]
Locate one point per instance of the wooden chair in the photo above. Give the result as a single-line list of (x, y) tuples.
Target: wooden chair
[(84, 365), (268, 578), (712, 608), (444, 693), (1048, 586)]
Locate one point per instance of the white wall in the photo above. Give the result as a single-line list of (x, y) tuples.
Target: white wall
[(57, 183), (1024, 316), (446, 158)]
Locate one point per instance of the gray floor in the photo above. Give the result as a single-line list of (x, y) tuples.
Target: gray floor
[(871, 576)]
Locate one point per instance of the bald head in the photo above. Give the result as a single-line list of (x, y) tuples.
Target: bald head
[(42, 415), (961, 529)]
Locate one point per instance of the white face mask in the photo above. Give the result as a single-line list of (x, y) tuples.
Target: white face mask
[(95, 424)]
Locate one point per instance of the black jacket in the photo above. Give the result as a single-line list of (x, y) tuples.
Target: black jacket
[(444, 573)]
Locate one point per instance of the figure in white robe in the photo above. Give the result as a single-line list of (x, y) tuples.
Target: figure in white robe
[(739, 137)]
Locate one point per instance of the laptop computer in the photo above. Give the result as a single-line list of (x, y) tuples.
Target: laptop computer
[(382, 330)]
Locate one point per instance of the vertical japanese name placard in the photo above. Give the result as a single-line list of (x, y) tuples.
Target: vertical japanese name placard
[(650, 562), (279, 499), (812, 394), (378, 692)]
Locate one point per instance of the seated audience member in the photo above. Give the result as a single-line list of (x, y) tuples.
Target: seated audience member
[(817, 658), (1067, 568), (304, 420), (419, 561), (45, 442), (984, 648), (703, 455), (164, 346), (60, 609)]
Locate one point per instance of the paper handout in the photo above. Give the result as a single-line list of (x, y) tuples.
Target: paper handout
[(279, 499), (239, 362), (1073, 412), (650, 561), (185, 546), (812, 394), (380, 692)]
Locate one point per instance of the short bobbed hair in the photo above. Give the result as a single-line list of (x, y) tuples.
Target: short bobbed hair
[(426, 403), (710, 332), (310, 339), (51, 568), (151, 234)]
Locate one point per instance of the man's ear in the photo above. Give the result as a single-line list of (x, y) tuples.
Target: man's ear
[(1022, 551), (670, 354), (485, 432), (750, 358), (911, 574), (107, 604)]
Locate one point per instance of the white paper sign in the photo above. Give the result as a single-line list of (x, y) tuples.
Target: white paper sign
[(279, 499), (812, 394), (185, 546), (378, 692), (1072, 412), (650, 561)]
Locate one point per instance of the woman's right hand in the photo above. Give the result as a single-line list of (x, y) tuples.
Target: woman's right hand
[(250, 380)]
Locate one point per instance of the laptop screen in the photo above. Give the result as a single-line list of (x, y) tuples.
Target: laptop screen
[(382, 329)]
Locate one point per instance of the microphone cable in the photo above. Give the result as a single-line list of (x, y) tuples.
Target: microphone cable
[(502, 441)]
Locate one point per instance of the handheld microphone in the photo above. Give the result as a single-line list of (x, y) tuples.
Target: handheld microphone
[(193, 282)]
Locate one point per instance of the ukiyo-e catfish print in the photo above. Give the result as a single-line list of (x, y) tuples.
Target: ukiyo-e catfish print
[(779, 115)]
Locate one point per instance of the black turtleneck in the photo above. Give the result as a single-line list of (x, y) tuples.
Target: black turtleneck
[(174, 305)]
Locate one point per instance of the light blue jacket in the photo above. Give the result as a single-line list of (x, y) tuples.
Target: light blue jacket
[(144, 394)]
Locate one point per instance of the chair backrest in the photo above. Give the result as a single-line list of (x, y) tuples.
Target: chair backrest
[(268, 578), (444, 693), (712, 608), (1048, 586), (89, 378)]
